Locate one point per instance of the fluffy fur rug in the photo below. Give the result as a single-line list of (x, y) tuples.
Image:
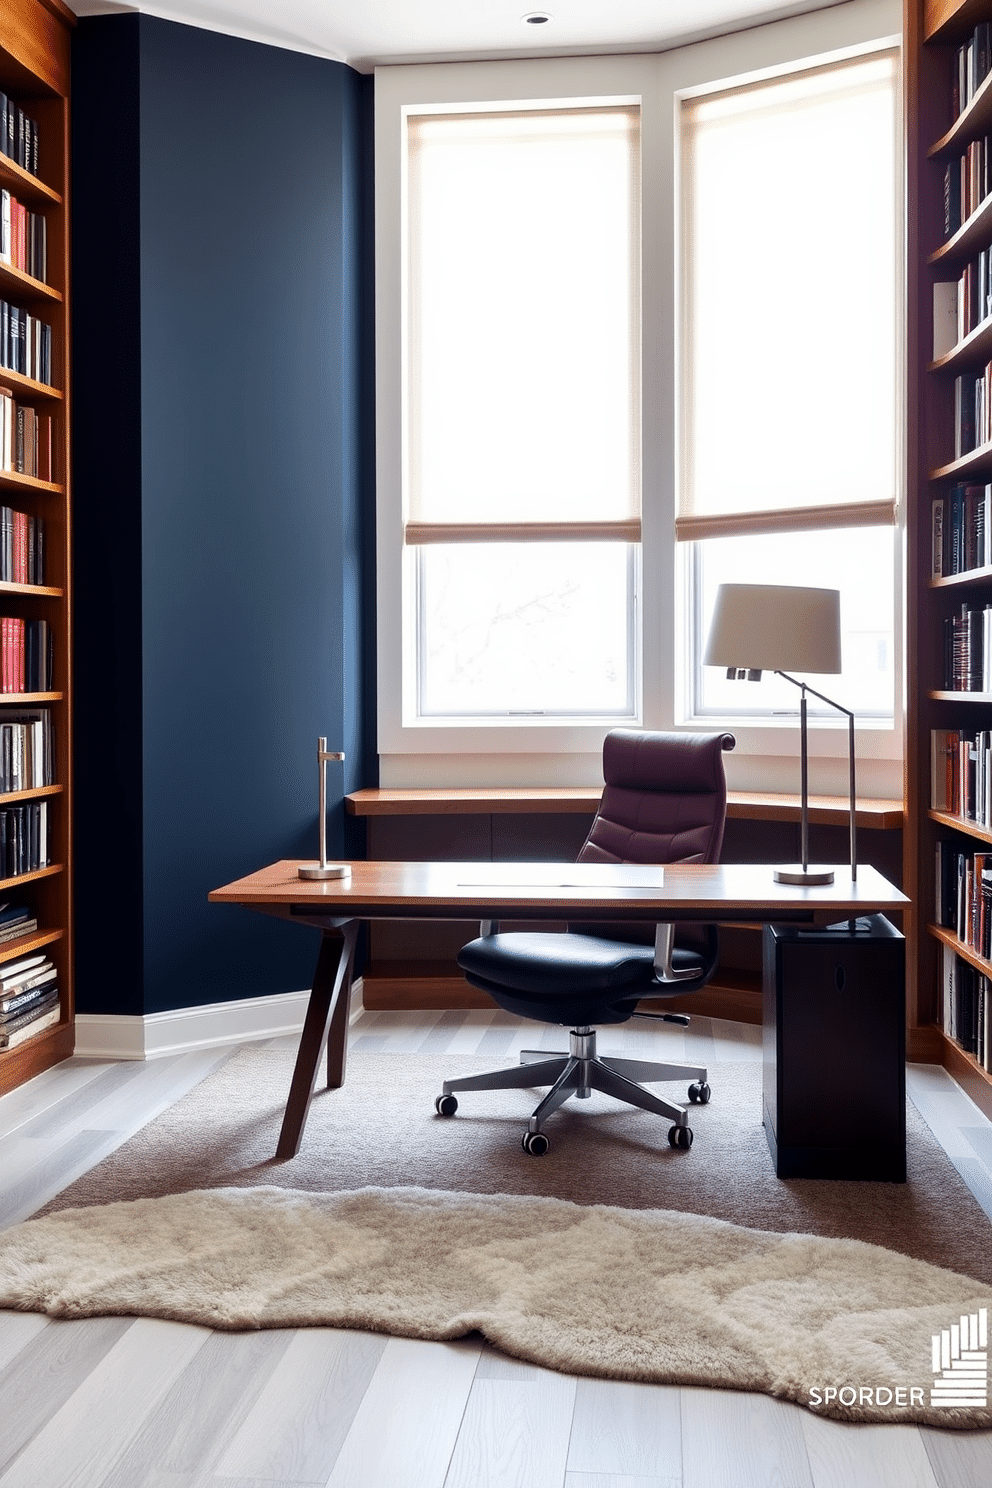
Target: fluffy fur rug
[(839, 1326)]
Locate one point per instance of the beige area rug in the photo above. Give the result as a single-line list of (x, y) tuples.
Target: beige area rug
[(840, 1327), (380, 1129)]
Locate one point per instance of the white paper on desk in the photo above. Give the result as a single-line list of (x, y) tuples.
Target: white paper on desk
[(622, 877)]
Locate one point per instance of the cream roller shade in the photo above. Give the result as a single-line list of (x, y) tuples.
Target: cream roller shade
[(522, 314), (789, 302)]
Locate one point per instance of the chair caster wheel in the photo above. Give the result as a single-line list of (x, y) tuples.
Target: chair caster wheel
[(446, 1105), (699, 1093), (680, 1136), (535, 1143)]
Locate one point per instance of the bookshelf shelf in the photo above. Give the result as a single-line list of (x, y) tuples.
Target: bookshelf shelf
[(973, 352), (23, 945), (37, 793), (977, 463), (17, 879), (961, 824), (935, 31), (32, 591), (952, 20), (949, 939), (50, 1046), (28, 386), (972, 578), (34, 76), (971, 122), (25, 286), (29, 482), (29, 189), (971, 236)]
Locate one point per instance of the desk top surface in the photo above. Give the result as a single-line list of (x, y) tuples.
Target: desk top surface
[(595, 890)]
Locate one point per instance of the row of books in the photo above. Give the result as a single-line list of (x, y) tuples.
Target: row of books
[(25, 655), (24, 838), (968, 650), (961, 305), (22, 547), (25, 343), (961, 530), (972, 64), (25, 438), (972, 410), (967, 182), (961, 774), (23, 237), (966, 1006), (18, 135), (27, 750), (964, 895), (29, 995)]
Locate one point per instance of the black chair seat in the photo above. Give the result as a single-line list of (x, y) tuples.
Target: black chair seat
[(576, 965), (568, 979)]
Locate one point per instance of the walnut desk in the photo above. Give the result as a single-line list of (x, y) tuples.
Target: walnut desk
[(520, 891)]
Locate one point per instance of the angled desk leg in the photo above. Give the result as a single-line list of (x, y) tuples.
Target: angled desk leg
[(326, 1023)]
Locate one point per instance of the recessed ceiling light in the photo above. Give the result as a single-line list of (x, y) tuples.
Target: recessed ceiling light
[(536, 18)]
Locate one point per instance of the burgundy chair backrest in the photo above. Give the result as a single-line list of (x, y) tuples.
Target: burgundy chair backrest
[(664, 801)]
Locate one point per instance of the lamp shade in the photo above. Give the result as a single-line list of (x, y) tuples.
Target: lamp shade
[(775, 628)]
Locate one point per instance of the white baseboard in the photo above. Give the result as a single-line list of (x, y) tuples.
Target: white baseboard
[(117, 1036)]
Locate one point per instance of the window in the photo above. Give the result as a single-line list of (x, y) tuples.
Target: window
[(860, 563), (522, 412), (790, 375), (557, 467)]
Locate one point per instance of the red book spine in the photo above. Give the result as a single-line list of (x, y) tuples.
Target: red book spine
[(20, 216), (5, 638), (20, 547), (18, 629)]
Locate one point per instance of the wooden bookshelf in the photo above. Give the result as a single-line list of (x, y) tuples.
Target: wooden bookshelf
[(935, 140), (34, 74)]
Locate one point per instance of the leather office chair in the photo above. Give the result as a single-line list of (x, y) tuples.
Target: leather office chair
[(664, 801)]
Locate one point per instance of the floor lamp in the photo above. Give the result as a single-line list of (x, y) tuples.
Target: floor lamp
[(782, 629)]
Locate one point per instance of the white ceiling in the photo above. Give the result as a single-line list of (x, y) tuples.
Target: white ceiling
[(367, 32)]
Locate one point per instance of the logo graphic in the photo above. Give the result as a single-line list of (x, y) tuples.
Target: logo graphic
[(961, 1362)]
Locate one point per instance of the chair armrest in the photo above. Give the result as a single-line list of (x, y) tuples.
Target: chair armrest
[(664, 971)]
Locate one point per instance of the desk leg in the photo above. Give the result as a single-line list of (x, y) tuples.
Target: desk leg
[(326, 1023)]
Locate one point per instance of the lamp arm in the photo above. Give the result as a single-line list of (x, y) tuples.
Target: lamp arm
[(796, 683), (850, 757)]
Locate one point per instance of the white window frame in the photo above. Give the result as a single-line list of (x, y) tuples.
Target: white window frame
[(547, 752)]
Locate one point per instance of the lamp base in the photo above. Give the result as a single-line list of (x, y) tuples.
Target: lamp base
[(812, 877), (324, 870)]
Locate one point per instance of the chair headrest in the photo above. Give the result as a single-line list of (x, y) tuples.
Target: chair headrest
[(687, 763)]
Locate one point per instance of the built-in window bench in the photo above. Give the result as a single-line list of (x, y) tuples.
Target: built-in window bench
[(413, 965)]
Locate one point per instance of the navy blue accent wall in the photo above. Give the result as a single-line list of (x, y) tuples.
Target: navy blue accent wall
[(106, 468), (249, 521)]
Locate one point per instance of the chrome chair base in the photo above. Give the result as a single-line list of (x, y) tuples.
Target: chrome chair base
[(579, 1073)]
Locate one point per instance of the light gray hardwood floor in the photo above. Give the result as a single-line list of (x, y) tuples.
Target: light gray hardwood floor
[(137, 1403)]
